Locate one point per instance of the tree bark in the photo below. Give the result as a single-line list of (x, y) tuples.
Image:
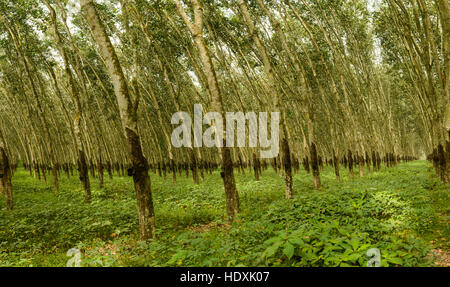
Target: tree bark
[(350, 165), (5, 176), (315, 166), (336, 166)]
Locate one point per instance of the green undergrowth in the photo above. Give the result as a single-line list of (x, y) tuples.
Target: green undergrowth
[(402, 211)]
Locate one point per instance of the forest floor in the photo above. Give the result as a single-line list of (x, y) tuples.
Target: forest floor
[(403, 211)]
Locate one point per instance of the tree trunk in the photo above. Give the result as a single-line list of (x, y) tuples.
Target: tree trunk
[(193, 160), (128, 110), (5, 176), (336, 166), (360, 164), (195, 29), (100, 168), (315, 166), (350, 165), (255, 167), (287, 168)]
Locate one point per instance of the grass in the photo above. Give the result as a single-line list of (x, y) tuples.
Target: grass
[(402, 211)]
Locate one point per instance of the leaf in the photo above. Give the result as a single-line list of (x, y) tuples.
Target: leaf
[(354, 242), (296, 241), (288, 250), (270, 251), (353, 257), (272, 240), (396, 260)]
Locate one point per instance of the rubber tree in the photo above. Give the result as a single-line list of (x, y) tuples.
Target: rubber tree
[(128, 114)]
